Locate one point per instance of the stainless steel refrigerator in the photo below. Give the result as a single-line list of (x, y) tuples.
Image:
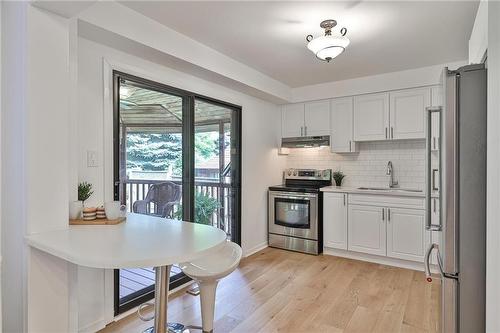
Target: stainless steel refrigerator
[(461, 256)]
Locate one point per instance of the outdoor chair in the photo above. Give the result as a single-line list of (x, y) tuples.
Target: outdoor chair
[(164, 196)]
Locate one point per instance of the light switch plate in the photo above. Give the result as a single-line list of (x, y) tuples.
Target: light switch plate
[(92, 159)]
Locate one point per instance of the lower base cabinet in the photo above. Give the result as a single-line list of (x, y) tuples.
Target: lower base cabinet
[(367, 231), (376, 228), (335, 220), (406, 236)]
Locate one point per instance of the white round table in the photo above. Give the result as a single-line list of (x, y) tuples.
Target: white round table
[(141, 241)]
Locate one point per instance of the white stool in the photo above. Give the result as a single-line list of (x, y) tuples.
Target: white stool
[(207, 272)]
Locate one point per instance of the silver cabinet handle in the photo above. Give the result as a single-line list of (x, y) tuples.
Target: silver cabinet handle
[(301, 131), (305, 130), (344, 199), (383, 214), (386, 132), (392, 132), (434, 205), (388, 214), (434, 142), (429, 173), (350, 149)]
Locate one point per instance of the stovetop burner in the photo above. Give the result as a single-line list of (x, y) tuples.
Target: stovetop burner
[(304, 180)]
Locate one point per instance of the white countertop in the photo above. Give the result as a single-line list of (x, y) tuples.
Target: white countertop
[(140, 241), (392, 192)]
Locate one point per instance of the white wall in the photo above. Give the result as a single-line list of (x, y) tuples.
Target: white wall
[(478, 42), (493, 174), (261, 165), (34, 164)]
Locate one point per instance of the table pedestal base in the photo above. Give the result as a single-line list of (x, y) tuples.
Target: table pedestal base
[(172, 328)]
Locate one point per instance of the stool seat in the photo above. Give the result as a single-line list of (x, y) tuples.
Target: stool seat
[(207, 272), (215, 266)]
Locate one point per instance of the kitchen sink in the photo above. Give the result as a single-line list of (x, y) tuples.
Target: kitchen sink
[(389, 189)]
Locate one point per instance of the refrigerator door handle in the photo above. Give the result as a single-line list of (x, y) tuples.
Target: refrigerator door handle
[(427, 267), (427, 258), (429, 180)]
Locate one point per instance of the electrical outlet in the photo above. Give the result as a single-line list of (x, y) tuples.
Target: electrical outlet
[(92, 159)]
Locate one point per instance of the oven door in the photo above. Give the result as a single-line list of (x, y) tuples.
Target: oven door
[(293, 214)]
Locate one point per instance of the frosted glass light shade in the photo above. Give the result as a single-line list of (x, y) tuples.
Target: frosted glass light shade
[(328, 47)]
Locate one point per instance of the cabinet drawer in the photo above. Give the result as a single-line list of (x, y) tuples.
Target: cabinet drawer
[(387, 201)]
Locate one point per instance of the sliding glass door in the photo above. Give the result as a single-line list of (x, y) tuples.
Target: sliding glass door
[(176, 156)]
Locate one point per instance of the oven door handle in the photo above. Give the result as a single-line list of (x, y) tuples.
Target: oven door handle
[(292, 195)]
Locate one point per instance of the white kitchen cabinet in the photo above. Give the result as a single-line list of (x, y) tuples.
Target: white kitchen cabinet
[(341, 124), (367, 231), (407, 113), (317, 118), (305, 119), (292, 120), (335, 220), (371, 117), (406, 236)]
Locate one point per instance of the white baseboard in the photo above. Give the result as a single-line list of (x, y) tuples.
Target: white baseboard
[(255, 249), (92, 327), (418, 266)]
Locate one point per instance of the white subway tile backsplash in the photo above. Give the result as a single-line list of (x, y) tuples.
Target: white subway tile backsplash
[(368, 167)]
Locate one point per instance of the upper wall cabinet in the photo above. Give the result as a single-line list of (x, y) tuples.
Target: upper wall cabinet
[(341, 124), (371, 117), (317, 118), (292, 120), (407, 113), (306, 119)]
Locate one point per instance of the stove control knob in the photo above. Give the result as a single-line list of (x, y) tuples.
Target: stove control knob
[(325, 173), (317, 174), (289, 172), (295, 173)]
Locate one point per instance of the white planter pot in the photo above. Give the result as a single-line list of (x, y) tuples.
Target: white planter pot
[(75, 210)]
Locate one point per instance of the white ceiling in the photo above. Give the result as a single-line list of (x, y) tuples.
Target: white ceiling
[(270, 36)]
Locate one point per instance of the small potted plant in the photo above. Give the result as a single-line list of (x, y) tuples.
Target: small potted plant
[(76, 207), (338, 177), (84, 192)]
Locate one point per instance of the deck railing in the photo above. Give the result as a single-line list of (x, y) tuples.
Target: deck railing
[(137, 189)]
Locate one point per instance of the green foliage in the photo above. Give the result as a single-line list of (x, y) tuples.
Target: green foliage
[(153, 151), (204, 208), (84, 191), (159, 151), (338, 177)]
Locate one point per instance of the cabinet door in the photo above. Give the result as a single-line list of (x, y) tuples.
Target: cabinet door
[(335, 220), (371, 117), (366, 231), (341, 120), (317, 118), (406, 236), (292, 120), (407, 119)]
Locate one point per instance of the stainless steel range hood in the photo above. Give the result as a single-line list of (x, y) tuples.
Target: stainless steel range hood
[(305, 141)]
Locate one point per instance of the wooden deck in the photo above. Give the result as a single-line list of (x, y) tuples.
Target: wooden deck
[(135, 279)]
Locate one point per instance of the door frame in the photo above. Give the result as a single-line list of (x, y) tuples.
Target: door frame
[(188, 177)]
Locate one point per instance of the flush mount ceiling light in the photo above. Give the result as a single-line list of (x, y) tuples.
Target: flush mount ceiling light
[(328, 46)]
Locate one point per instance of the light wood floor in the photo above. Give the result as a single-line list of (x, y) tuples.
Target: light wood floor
[(281, 291)]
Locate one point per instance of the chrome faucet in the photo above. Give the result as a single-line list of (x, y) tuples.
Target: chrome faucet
[(390, 172)]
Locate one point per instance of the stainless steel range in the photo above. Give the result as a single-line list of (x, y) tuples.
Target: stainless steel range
[(296, 210)]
